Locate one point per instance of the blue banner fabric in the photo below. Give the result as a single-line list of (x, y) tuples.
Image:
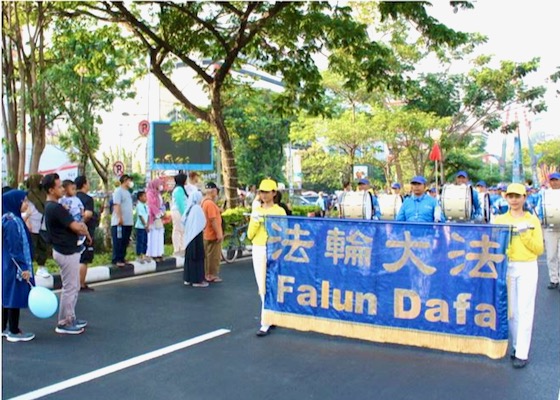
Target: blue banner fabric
[(441, 286)]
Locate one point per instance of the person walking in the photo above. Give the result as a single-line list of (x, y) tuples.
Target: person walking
[(91, 220), (63, 232), (17, 265), (195, 222), (552, 237), (178, 205), (213, 233), (156, 211), (36, 198), (525, 247), (122, 220), (256, 232)]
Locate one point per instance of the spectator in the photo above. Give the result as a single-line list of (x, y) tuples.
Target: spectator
[(178, 202), (122, 220), (194, 180), (91, 220), (251, 195), (16, 253), (322, 204), (63, 232), (142, 227), (278, 200), (213, 233), (37, 197), (156, 211), (195, 222)]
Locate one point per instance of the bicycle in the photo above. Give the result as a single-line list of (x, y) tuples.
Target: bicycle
[(235, 244)]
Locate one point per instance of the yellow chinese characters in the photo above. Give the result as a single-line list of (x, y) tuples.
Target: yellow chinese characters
[(484, 257), (354, 249), (297, 245), (408, 245)]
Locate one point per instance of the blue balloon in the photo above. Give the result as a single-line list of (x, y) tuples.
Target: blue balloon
[(42, 302)]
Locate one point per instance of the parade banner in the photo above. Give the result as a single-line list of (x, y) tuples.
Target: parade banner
[(441, 286)]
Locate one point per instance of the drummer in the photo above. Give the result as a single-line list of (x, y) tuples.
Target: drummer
[(552, 238), (396, 189), (500, 205), (365, 186), (420, 207), (462, 178)]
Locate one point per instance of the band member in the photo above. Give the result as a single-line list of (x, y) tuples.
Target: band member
[(365, 186), (552, 237), (420, 207), (462, 178)]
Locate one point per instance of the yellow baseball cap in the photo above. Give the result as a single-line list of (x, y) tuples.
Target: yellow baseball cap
[(516, 188), (268, 185)]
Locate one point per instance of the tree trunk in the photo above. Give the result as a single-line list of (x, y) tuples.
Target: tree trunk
[(229, 167), (397, 162)]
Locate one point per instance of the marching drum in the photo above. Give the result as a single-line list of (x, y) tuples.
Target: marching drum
[(484, 201), (551, 207), (457, 202), (390, 204), (355, 205)]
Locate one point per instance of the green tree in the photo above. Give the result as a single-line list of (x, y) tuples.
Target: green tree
[(277, 37), (25, 109), (91, 70), (549, 154)]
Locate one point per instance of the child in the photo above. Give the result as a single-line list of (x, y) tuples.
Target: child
[(141, 227), (73, 204)]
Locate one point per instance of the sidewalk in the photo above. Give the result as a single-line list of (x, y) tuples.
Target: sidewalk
[(106, 273)]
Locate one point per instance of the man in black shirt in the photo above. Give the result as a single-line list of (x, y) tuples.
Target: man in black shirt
[(90, 219), (63, 234)]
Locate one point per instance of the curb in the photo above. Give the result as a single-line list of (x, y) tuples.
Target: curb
[(106, 273)]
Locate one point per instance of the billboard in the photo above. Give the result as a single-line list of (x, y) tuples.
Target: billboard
[(164, 153)]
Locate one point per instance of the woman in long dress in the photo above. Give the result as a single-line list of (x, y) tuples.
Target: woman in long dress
[(16, 253), (156, 210), (195, 221)]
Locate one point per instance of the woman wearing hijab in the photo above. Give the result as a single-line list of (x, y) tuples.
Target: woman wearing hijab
[(156, 210), (33, 218), (194, 222), (17, 265)]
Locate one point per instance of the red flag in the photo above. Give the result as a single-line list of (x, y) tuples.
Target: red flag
[(435, 154)]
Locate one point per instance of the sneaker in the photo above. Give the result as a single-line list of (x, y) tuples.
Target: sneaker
[(43, 273), (80, 323), (517, 362), (69, 329), (20, 337), (86, 288), (553, 285), (5, 333), (261, 332), (201, 284), (186, 283)]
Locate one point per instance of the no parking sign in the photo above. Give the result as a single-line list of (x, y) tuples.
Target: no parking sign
[(118, 168)]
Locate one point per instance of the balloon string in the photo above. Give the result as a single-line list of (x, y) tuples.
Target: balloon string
[(21, 272)]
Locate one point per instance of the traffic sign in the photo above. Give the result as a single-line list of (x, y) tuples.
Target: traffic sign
[(144, 127), (118, 168)]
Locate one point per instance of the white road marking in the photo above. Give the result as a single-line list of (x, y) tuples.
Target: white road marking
[(57, 387)]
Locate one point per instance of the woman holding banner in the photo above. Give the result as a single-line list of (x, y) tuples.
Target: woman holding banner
[(524, 249), (256, 232)]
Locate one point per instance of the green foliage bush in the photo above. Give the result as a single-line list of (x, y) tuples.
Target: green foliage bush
[(302, 211), (235, 217)]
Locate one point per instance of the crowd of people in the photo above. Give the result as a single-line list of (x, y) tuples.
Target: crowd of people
[(60, 215)]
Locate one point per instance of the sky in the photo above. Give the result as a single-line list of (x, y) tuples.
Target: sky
[(517, 30)]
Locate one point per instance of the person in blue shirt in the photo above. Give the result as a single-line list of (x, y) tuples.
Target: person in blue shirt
[(365, 186), (500, 204), (462, 178), (420, 207)]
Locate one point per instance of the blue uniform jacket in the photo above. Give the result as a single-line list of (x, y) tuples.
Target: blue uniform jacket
[(420, 209)]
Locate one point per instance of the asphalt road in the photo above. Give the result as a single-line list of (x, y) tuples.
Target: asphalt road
[(135, 317)]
